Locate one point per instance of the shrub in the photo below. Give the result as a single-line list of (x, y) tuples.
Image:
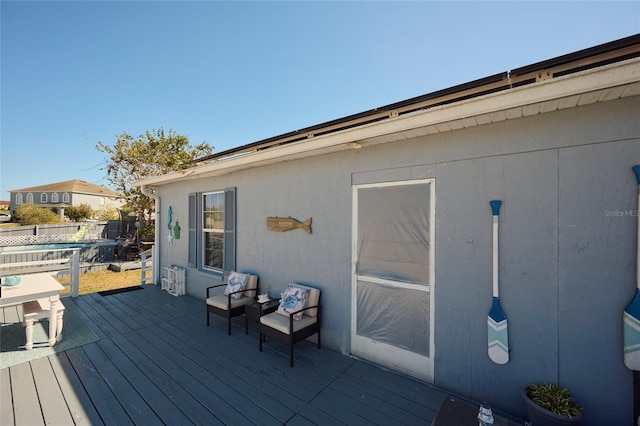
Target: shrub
[(106, 213), (78, 213), (31, 214), (147, 233)]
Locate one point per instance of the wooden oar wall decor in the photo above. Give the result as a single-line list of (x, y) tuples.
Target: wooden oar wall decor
[(497, 331), (283, 224), (631, 315)]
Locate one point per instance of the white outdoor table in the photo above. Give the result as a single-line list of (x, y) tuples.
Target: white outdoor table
[(34, 287)]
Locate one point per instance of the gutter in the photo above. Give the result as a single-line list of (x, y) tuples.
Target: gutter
[(155, 250)]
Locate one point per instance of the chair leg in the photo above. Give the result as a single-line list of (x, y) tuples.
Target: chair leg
[(291, 354), (207, 318), (319, 345), (291, 343)]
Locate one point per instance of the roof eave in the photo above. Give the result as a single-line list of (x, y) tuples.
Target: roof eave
[(624, 73)]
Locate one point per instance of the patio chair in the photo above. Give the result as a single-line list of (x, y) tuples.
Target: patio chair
[(36, 310), (297, 318), (133, 253), (231, 304)]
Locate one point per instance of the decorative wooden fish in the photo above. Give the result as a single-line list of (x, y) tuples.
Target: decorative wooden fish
[(283, 224)]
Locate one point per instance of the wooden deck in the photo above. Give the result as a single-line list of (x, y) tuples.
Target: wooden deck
[(157, 363)]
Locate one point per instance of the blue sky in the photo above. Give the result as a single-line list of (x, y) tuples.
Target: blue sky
[(232, 73)]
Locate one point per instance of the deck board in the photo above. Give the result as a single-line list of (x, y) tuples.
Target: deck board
[(136, 306), (76, 398), (97, 323), (52, 402), (112, 323), (177, 390), (349, 397), (242, 350), (201, 368), (6, 404), (127, 395), (119, 310), (235, 392), (105, 402), (157, 362), (25, 396), (336, 408), (319, 417), (141, 384), (75, 305), (381, 399)]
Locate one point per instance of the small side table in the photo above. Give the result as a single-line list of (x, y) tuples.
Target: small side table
[(253, 311)]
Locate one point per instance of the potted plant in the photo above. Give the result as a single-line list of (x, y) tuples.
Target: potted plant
[(548, 404)]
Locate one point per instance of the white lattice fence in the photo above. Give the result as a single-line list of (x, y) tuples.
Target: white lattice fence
[(18, 240)]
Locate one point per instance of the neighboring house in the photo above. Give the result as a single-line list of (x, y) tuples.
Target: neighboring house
[(4, 205), (401, 241), (60, 195)]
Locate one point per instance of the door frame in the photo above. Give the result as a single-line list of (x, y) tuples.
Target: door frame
[(374, 352)]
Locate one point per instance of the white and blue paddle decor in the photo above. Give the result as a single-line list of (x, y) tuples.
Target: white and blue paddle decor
[(632, 312), (497, 332)]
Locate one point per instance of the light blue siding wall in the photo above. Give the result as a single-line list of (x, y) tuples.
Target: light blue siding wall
[(567, 268)]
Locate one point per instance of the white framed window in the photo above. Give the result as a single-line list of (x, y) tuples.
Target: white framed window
[(54, 197), (29, 198), (43, 197), (212, 230), (18, 198), (65, 197)]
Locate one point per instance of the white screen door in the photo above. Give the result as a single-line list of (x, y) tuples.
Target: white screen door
[(393, 258)]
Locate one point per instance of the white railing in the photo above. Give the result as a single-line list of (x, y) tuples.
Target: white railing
[(47, 265), (146, 267)]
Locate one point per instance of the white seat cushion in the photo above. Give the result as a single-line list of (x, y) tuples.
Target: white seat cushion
[(281, 323), (220, 302)]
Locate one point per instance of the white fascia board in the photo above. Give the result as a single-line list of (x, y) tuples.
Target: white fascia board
[(618, 74)]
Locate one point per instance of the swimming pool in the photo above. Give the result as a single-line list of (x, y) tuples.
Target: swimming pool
[(56, 246), (42, 247)]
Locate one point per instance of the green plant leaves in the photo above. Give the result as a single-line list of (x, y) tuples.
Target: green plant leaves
[(550, 397)]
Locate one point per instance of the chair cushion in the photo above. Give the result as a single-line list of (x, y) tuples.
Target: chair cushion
[(220, 302), (293, 299), (281, 323), (252, 283), (314, 298), (236, 282)]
